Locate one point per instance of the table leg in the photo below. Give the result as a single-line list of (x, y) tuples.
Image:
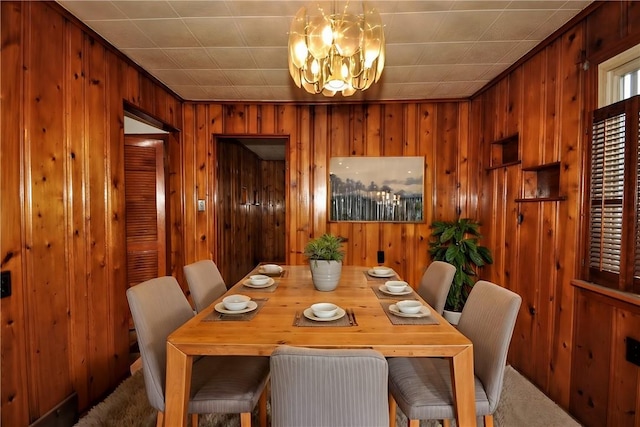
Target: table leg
[(177, 387), (464, 388)]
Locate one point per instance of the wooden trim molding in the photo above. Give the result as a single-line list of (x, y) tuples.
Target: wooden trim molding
[(627, 297)]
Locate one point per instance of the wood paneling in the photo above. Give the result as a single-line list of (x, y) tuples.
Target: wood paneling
[(65, 325)]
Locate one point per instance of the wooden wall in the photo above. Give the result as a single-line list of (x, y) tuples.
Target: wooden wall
[(437, 131), (546, 100), (64, 327)]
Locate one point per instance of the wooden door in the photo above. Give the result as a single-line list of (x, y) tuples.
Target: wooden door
[(145, 208)]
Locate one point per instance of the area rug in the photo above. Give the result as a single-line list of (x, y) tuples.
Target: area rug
[(521, 405)]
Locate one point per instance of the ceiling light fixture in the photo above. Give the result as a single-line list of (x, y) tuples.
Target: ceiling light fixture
[(337, 52)]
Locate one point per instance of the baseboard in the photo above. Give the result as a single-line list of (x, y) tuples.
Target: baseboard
[(65, 414)]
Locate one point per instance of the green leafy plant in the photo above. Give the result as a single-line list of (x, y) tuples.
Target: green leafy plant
[(326, 247), (456, 242)]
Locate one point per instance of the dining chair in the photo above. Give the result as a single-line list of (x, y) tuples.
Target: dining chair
[(328, 388), (205, 283), (421, 387), (219, 384), (435, 284)]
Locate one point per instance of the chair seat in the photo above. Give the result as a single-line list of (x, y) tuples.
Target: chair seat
[(227, 384), (422, 388)]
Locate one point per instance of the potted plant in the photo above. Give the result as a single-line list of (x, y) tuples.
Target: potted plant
[(456, 242), (325, 256)]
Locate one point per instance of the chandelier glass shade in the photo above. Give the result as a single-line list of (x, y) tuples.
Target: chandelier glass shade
[(336, 52)]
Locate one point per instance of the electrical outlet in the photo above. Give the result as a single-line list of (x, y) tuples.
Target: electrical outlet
[(201, 206), (633, 351), (380, 257), (5, 284)]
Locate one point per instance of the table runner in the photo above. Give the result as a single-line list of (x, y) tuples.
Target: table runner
[(349, 319), (215, 316), (397, 320)]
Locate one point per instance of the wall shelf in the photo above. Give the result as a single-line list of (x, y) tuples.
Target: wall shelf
[(505, 152), (541, 183)]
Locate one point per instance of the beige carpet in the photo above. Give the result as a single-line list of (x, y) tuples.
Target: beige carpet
[(521, 405)]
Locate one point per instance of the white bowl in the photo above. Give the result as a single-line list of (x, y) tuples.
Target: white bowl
[(271, 268), (409, 306), (259, 279), (236, 302), (381, 270), (396, 286), (324, 309)]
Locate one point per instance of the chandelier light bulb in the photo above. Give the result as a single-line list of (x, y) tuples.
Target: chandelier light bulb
[(338, 52)]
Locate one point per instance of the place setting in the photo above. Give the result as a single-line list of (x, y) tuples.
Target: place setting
[(380, 272), (394, 289), (408, 312), (260, 282), (236, 307), (325, 314), (272, 270)]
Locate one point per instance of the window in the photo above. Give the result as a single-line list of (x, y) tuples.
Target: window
[(614, 202), (618, 77)]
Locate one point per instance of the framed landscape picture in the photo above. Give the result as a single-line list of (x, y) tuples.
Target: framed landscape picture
[(383, 189)]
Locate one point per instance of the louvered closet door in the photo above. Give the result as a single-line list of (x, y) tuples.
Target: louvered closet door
[(145, 209)]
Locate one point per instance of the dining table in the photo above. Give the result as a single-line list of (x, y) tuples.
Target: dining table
[(280, 316)]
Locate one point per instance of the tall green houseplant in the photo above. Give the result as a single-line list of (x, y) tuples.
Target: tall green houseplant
[(456, 242)]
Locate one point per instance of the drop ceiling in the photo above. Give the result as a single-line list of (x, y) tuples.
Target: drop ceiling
[(235, 50)]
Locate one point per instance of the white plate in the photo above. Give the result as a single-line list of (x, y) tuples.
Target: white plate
[(424, 311), (374, 274), (261, 271), (251, 305), (384, 290), (308, 313), (248, 284)]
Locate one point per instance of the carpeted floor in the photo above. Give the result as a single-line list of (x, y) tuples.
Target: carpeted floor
[(521, 405)]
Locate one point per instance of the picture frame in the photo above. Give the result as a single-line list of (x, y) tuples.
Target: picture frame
[(376, 189)]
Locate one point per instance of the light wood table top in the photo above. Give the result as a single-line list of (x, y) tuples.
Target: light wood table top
[(273, 325)]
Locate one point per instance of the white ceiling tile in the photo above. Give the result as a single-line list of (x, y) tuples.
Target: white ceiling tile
[(199, 8), (517, 52), (413, 27), (150, 59), (92, 10), (140, 9), (555, 21), (174, 77), (271, 31), (208, 77), (465, 26), (270, 57), (444, 53), (167, 32), (191, 58), (435, 48), (232, 58), (215, 32), (122, 33), (516, 25), (488, 52), (245, 77)]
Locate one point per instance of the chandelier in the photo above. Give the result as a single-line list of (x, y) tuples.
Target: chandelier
[(336, 52)]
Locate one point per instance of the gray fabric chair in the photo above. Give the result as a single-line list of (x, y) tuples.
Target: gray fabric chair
[(328, 388), (205, 283), (421, 387), (224, 384), (435, 284)]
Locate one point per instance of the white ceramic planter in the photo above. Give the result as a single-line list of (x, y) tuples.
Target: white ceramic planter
[(452, 317), (325, 274)]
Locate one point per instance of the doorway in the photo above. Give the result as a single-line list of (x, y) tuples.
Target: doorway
[(251, 202)]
